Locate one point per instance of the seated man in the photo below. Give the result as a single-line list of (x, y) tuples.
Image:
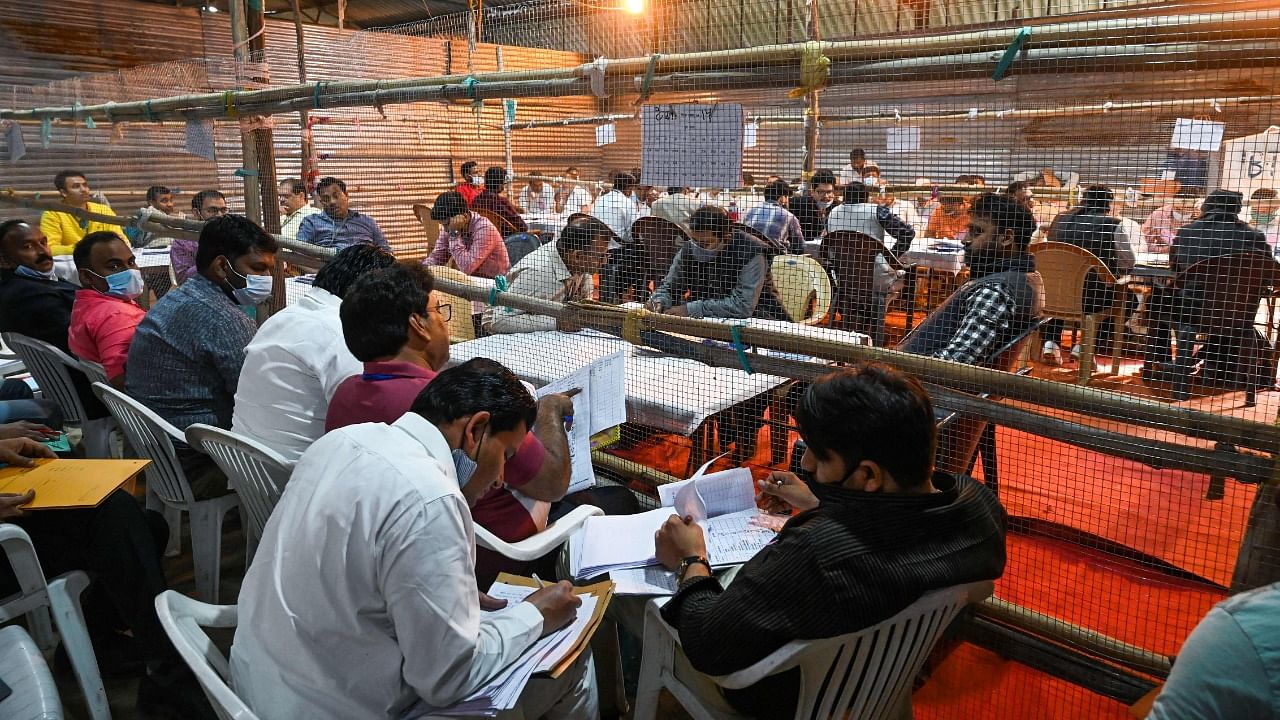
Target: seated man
[(187, 353), (470, 185), (471, 241), (950, 219), (1004, 296), (338, 226), (774, 220), (676, 205), (159, 199), (721, 275), (491, 199), (616, 208), (296, 360), (399, 331), (105, 314), (560, 271), (877, 529), (538, 197), (62, 229), (811, 207), (205, 205), (858, 214), (570, 196), (363, 600), (1263, 216), (1163, 224), (295, 207), (119, 544)]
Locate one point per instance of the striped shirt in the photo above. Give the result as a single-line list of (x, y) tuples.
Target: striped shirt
[(777, 223)]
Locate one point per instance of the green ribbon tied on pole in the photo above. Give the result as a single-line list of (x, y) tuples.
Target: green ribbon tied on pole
[(1011, 53)]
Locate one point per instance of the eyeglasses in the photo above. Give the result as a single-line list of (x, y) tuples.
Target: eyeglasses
[(215, 211), (445, 310)]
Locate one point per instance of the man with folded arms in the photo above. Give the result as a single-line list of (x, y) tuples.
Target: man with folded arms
[(877, 529), (362, 600)]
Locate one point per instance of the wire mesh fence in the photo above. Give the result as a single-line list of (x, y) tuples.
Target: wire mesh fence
[(1130, 452)]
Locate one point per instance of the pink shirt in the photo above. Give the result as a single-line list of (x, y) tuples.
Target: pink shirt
[(182, 255), (1161, 227), (478, 251), (102, 328)]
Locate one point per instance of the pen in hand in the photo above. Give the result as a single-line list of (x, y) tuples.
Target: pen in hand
[(539, 581)]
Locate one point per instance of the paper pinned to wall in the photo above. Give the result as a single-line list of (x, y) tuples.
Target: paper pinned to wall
[(692, 145), (749, 135), (1191, 134), (17, 146), (902, 139), (606, 134), (200, 138)]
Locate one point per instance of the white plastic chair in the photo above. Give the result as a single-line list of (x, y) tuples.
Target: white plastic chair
[(184, 621), (865, 674), (22, 667), (153, 439), (257, 473), (797, 279), (536, 546), (61, 596), (93, 371), (52, 370)]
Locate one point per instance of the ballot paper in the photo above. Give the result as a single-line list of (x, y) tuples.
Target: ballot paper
[(601, 404), (551, 655), (723, 503)]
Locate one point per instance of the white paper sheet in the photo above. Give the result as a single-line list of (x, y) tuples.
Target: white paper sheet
[(692, 144), (600, 404), (1197, 134), (651, 580)]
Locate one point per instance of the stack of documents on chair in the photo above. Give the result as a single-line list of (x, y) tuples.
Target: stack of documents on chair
[(723, 503), (551, 655)]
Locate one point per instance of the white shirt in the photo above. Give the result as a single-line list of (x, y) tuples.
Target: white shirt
[(362, 597), (618, 212), (291, 370), (538, 202), (579, 198), (290, 225), (906, 211), (542, 274), (848, 174)]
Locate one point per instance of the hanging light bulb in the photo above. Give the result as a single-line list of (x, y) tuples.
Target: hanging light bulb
[(635, 7), (211, 8)]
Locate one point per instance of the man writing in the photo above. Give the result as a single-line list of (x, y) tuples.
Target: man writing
[(363, 599), (338, 226), (62, 229), (561, 272), (721, 275), (877, 528)]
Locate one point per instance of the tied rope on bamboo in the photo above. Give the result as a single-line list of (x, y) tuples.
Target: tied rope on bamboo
[(815, 70)]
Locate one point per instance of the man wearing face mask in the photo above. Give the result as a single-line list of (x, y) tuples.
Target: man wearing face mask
[(106, 314), (877, 528), (721, 274), (187, 353), (363, 601), (472, 181), (811, 207), (1263, 216), (396, 326)]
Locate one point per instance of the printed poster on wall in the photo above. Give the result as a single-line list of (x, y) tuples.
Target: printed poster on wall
[(692, 145), (1251, 162), (902, 140), (1191, 134)]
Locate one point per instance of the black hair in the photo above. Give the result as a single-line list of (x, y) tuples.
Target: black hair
[(330, 181), (675, 190), (349, 264), (1222, 202), (197, 200), (477, 385), (536, 174), (871, 411), (83, 248), (855, 193), (466, 173), (60, 180), (156, 191), (1007, 214), (447, 205), (624, 182), (495, 177), (1097, 198), (748, 179), (857, 154), (1263, 194), (376, 310), (1016, 187), (231, 236), (822, 177), (871, 169), (581, 234), (571, 168), (295, 185), (8, 226), (775, 190), (710, 218)]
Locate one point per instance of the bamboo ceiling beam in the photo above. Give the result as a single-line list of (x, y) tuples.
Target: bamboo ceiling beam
[(1051, 40)]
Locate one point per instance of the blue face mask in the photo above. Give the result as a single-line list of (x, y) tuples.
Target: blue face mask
[(702, 254), (126, 283), (257, 288), (27, 272)]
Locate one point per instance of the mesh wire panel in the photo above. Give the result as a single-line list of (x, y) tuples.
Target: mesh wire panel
[(1129, 457)]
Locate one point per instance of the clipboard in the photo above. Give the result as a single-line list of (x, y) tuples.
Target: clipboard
[(69, 483), (603, 592)]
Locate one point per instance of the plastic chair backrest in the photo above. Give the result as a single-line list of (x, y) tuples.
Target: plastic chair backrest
[(184, 620), (852, 259), (776, 247), (52, 370), (152, 438), (1065, 268), (865, 674), (661, 240), (33, 592), (519, 245), (798, 280), (257, 473), (504, 226), (1229, 287), (93, 371), (460, 327), (429, 226)]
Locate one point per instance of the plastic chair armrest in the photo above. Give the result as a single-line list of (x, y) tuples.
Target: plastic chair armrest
[(534, 547)]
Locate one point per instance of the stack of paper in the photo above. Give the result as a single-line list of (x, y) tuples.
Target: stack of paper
[(722, 503), (601, 404), (551, 655)]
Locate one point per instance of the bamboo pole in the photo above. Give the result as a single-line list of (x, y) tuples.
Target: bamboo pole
[(810, 160), (1072, 37), (593, 120)]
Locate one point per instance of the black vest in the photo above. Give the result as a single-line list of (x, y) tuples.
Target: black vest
[(716, 279), (1020, 279), (1094, 232)]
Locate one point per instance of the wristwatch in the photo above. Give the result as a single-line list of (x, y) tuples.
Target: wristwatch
[(685, 563)]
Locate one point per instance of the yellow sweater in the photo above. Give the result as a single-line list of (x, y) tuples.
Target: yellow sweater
[(64, 230)]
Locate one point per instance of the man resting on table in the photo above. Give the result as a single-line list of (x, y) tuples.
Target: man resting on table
[(877, 529)]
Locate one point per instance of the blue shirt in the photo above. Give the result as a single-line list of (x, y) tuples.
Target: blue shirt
[(323, 230), (185, 359), (1230, 665), (777, 223)]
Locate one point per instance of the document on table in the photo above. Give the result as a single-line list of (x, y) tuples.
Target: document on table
[(69, 483), (601, 404)]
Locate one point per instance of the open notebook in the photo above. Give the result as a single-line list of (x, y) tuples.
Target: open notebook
[(723, 503)]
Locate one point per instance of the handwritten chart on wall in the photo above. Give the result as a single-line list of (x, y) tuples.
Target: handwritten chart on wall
[(692, 145)]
